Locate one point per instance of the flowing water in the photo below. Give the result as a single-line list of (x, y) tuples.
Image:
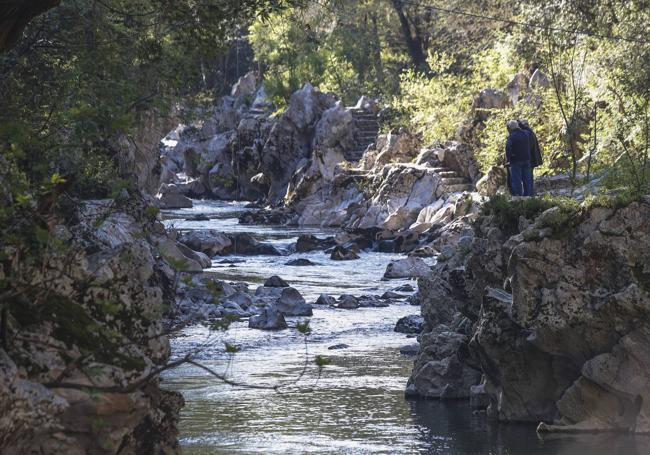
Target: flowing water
[(355, 404)]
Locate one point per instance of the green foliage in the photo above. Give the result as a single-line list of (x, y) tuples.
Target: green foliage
[(303, 327), (435, 106), (86, 73), (339, 48), (215, 290), (545, 120), (152, 211), (321, 361), (231, 348), (506, 211), (179, 265)]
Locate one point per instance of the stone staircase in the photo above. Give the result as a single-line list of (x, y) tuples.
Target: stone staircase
[(367, 131), (452, 181)]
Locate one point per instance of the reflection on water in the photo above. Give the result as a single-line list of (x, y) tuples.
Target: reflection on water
[(357, 405)]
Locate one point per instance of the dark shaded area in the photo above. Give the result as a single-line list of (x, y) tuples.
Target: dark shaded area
[(15, 15)]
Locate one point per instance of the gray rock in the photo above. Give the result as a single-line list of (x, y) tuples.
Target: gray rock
[(404, 288), (325, 299), (348, 302), (243, 243), (210, 242), (410, 324), (410, 350), (291, 303), (372, 301), (410, 267), (388, 295), (306, 243), (300, 262), (174, 201), (340, 253), (338, 346), (276, 282), (269, 319)]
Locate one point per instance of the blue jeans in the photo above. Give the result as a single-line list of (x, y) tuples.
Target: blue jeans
[(521, 178)]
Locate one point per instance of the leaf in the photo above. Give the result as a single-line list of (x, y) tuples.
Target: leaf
[(56, 179)]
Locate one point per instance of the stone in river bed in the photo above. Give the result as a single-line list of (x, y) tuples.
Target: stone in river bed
[(231, 261), (338, 346), (310, 243), (174, 201), (244, 243), (392, 295), (410, 349), (340, 253), (269, 319), (371, 301), (410, 324), (276, 282), (348, 302), (404, 288), (301, 262), (410, 267), (198, 217), (209, 241), (325, 299), (291, 303), (241, 299)]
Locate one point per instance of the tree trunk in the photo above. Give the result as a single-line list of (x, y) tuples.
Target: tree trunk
[(15, 15), (413, 41)]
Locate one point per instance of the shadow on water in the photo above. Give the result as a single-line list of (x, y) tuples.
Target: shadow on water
[(453, 428)]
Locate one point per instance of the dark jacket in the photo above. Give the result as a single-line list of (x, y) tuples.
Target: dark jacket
[(535, 150), (518, 147)]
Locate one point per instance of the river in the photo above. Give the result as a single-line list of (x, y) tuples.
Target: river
[(355, 404)]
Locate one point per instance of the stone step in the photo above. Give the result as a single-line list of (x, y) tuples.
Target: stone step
[(450, 181), (369, 117), (449, 174), (459, 188)]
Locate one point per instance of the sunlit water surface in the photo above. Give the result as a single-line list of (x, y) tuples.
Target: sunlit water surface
[(356, 404)]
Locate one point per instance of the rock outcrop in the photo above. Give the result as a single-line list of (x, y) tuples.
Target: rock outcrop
[(85, 339), (554, 317)]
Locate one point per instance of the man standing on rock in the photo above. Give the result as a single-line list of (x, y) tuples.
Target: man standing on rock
[(518, 155), (536, 159)]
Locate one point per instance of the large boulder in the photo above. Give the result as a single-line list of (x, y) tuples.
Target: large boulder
[(410, 324), (210, 242), (459, 157), (244, 244), (399, 147), (440, 371), (276, 282), (289, 144), (341, 253), (495, 179), (173, 200), (291, 303), (411, 267), (269, 319)]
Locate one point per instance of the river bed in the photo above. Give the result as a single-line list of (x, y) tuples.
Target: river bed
[(356, 403)]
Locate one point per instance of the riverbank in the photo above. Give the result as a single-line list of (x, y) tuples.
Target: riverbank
[(358, 403)]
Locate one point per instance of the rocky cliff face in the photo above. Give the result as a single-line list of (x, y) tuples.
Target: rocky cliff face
[(555, 318), (84, 337), (306, 160)]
